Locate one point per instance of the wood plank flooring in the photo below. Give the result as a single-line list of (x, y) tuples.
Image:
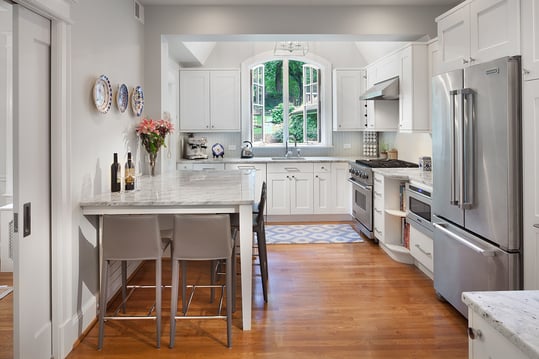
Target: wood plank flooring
[(6, 318), (325, 301)]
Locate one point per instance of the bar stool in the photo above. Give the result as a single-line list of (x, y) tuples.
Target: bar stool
[(130, 237), (260, 230), (197, 238)]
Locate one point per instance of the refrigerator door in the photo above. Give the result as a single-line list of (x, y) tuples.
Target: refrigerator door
[(464, 262), (492, 165), (446, 109)]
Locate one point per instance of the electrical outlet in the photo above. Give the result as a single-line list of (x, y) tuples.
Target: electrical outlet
[(347, 146), (232, 147)]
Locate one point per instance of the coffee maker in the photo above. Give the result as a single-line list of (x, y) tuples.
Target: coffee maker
[(195, 147)]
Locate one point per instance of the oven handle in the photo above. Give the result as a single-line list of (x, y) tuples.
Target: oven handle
[(366, 188)]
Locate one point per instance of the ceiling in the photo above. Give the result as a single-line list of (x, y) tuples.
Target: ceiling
[(196, 53), (300, 2)]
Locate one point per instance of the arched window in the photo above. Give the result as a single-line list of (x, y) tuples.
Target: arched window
[(285, 102)]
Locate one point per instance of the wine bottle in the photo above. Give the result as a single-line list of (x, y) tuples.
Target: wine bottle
[(129, 173), (115, 175)]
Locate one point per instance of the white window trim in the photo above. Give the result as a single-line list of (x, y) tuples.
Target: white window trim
[(325, 95)]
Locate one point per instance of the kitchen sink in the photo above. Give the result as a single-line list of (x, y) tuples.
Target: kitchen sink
[(291, 158)]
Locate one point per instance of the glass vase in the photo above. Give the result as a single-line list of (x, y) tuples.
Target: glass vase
[(153, 158)]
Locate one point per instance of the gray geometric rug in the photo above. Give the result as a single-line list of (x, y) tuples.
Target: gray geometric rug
[(5, 290), (311, 233)]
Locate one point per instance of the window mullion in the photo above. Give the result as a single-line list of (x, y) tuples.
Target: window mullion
[(286, 96)]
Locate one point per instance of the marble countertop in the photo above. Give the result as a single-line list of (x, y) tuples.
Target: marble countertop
[(183, 188), (270, 160), (416, 176), (515, 314)]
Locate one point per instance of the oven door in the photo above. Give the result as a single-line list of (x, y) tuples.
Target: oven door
[(362, 207), (419, 209)]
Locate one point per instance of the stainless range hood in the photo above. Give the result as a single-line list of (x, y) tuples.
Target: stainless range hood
[(385, 90)]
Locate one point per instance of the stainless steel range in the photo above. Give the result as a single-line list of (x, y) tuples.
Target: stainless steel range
[(361, 177)]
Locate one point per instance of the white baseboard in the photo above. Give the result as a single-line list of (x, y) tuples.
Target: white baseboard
[(309, 218)]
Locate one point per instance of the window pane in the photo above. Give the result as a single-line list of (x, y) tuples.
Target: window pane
[(273, 124)]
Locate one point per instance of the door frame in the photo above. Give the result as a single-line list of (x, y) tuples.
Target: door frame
[(59, 12)]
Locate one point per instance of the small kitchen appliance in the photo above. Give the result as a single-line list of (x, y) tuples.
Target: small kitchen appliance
[(247, 150), (195, 148)]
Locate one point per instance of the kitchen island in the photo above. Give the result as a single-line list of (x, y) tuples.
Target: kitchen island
[(189, 192), (503, 324)]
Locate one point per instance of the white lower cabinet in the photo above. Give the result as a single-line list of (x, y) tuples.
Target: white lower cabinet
[(421, 249), (388, 217), (260, 169), (331, 188), (290, 188), (487, 342)]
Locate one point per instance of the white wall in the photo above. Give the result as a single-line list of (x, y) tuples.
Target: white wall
[(6, 116), (411, 146), (106, 39)]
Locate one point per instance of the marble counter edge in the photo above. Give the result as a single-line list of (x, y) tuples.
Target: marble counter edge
[(507, 313)]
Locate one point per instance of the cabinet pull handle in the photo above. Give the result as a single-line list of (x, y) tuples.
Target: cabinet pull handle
[(378, 211), (464, 61), (428, 254), (377, 230), (377, 180), (536, 225), (246, 167), (378, 194), (472, 59), (292, 169), (474, 333)]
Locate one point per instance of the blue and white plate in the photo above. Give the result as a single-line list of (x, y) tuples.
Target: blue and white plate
[(122, 98), (102, 94), (137, 101)]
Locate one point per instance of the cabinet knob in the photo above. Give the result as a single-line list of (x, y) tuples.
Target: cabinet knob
[(525, 72), (472, 59), (464, 61), (474, 333)]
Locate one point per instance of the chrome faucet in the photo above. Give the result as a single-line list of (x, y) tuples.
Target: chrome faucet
[(295, 145)]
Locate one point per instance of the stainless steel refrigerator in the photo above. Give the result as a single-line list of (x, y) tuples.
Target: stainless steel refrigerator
[(477, 179)]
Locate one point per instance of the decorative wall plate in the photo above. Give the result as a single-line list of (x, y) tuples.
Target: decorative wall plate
[(102, 94), (217, 150), (122, 98), (137, 101)]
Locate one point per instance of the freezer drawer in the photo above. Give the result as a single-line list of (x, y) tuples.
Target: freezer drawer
[(464, 262)]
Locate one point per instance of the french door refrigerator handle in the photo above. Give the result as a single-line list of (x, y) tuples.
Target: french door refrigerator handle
[(452, 195), (456, 237), (468, 149)]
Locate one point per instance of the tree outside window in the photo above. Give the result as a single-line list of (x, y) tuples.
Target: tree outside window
[(285, 102)]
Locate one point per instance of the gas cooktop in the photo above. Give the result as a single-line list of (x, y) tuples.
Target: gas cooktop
[(386, 163)]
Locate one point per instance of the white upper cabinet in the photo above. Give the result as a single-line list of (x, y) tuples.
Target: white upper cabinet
[(530, 39), (478, 31), (414, 89), (348, 110), (380, 115), (209, 100)]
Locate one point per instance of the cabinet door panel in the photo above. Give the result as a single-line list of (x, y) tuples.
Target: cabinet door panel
[(278, 194), (343, 190), (347, 108), (301, 194), (530, 39), (530, 102), (194, 100), (322, 193), (454, 37), (225, 100), (494, 29)]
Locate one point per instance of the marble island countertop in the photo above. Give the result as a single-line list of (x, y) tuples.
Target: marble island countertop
[(514, 314), (420, 177), (182, 188)]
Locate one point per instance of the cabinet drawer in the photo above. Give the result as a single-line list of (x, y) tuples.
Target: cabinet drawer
[(290, 167), (421, 248), (246, 166), (184, 166), (378, 227), (379, 182), (322, 167), (208, 166)]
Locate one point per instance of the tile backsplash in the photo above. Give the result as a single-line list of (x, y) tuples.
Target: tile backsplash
[(345, 144)]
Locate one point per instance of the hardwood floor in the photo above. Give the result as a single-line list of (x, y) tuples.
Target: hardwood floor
[(6, 318), (325, 301)]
